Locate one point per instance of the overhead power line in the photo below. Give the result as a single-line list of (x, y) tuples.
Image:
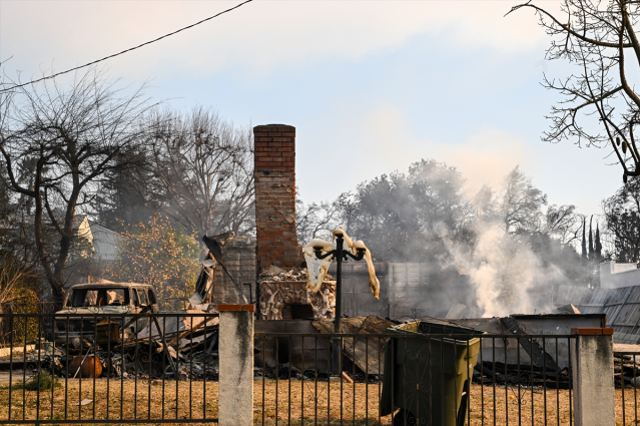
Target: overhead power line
[(125, 51)]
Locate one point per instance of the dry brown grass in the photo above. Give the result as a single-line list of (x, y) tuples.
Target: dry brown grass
[(298, 401)]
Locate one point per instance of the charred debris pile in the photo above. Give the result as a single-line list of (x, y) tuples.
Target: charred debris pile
[(173, 347)]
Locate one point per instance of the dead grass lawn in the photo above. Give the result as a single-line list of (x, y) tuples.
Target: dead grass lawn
[(295, 402)]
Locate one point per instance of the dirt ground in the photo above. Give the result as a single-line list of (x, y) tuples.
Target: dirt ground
[(296, 402)]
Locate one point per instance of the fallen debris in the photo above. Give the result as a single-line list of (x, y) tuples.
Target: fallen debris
[(367, 353)]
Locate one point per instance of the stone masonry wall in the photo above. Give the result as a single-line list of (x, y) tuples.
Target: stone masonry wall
[(275, 186), (239, 256)]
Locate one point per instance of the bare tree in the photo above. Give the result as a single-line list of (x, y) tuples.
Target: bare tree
[(601, 106), (71, 137), (203, 172), (317, 220), (622, 216), (521, 205), (562, 223)]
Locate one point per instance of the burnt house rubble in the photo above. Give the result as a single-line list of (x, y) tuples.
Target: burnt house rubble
[(115, 329)]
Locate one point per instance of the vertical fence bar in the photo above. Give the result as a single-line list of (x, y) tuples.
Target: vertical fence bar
[(494, 381), (109, 363), (66, 370), (150, 373), (79, 370), (164, 369), (11, 338), (315, 374), (95, 360), (353, 377), (519, 383), (302, 380), (379, 353), (175, 371), (557, 384), (532, 395), (544, 379), (122, 367), (394, 344), (39, 365), (264, 370), (455, 377), (430, 352), (366, 379), (442, 406), (289, 384), (624, 402), (569, 343), (52, 365), (469, 373), (340, 371), (506, 383), (330, 361), (190, 363), (136, 368), (635, 391), (24, 369), (481, 385)]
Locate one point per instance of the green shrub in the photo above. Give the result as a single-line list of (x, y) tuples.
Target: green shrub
[(40, 381)]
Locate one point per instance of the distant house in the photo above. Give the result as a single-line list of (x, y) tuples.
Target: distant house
[(105, 242), (617, 275)]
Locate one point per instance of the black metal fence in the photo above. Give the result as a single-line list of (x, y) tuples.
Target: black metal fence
[(110, 368), (402, 379), (163, 368), (627, 380)]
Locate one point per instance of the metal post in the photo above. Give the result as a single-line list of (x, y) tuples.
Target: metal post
[(339, 255), (337, 350), (338, 312)]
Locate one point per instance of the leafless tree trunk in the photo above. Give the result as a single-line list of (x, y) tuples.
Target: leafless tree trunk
[(69, 138)]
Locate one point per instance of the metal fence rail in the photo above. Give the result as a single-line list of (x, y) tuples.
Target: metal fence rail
[(110, 368), (294, 383)]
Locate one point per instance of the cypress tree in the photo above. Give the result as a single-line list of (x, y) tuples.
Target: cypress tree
[(598, 243), (584, 241), (591, 249)]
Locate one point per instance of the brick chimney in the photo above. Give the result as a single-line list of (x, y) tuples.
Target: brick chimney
[(275, 186)]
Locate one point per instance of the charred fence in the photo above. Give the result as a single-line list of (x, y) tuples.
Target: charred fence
[(107, 368), (627, 381), (432, 379), (164, 368)]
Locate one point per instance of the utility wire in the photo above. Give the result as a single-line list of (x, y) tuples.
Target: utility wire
[(124, 51)]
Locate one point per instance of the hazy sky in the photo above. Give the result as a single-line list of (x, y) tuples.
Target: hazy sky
[(371, 86)]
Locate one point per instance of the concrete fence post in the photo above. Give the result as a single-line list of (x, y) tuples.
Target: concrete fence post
[(592, 372), (235, 349)]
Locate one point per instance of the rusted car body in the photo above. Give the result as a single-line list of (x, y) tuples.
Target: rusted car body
[(87, 305)]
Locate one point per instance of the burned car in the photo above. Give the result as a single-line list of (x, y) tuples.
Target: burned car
[(94, 309)]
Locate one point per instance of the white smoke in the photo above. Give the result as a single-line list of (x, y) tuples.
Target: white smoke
[(507, 277)]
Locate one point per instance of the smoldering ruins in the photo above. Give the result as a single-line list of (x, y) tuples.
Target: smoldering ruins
[(269, 271), (272, 270)]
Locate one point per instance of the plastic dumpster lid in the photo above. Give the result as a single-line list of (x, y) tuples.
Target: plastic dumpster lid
[(435, 326)]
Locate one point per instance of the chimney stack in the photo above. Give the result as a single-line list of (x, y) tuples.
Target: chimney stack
[(275, 186)]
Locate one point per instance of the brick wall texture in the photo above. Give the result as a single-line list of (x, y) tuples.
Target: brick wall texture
[(275, 186), (239, 256)]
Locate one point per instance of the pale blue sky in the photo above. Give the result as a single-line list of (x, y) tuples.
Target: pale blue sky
[(371, 86)]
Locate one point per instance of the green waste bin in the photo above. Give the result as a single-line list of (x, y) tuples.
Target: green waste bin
[(427, 373)]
